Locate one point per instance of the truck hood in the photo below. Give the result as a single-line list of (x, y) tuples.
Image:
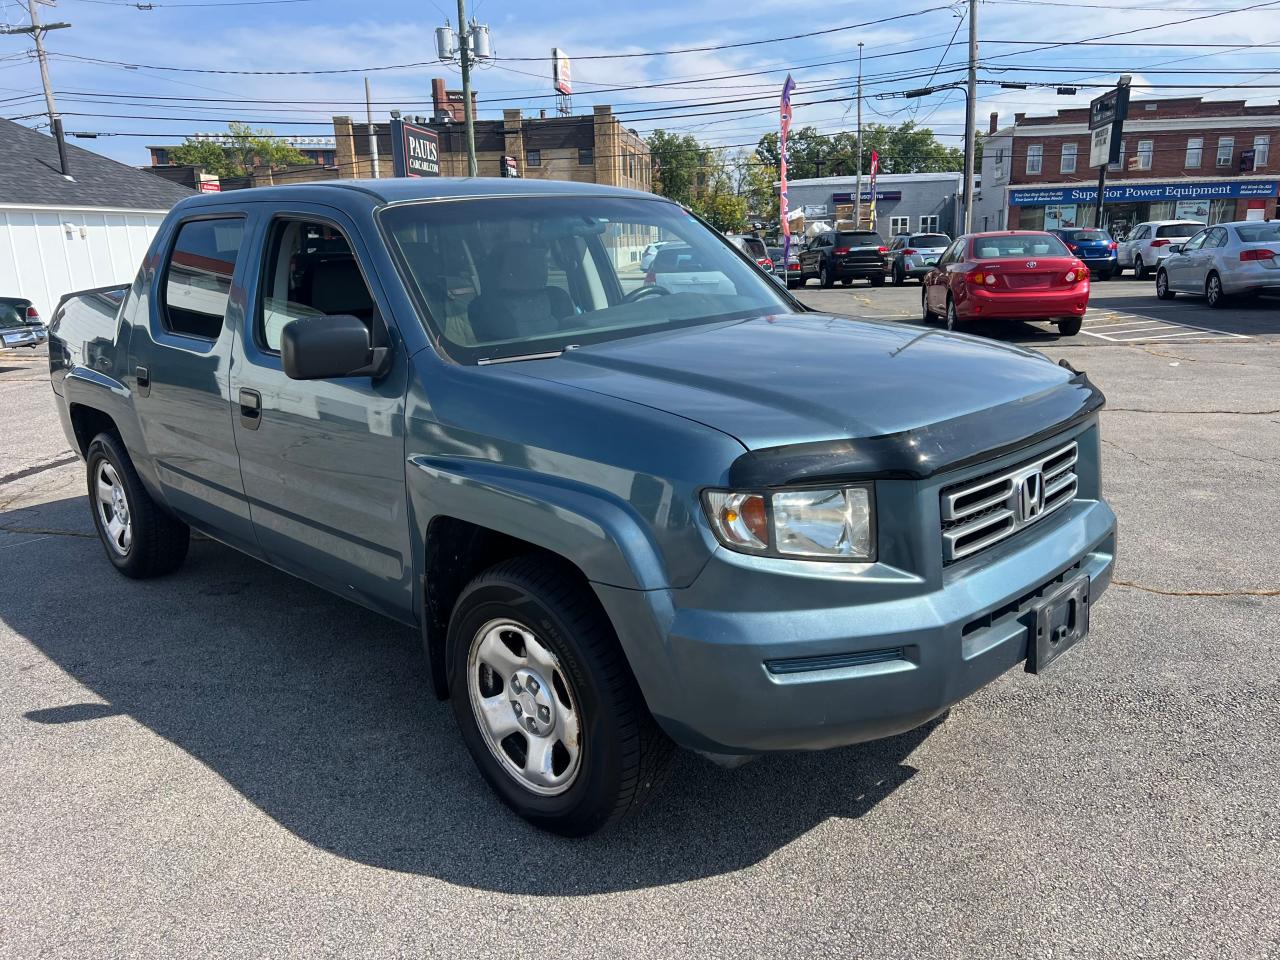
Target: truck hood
[(804, 378)]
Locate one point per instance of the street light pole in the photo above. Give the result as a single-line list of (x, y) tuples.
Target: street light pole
[(970, 116), (464, 61)]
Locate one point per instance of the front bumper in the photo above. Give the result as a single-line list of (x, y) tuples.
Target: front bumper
[(761, 655)]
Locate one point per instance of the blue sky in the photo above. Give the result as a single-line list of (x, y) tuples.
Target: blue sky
[(324, 35)]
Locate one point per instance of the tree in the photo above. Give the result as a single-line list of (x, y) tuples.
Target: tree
[(237, 152), (903, 148), (760, 186), (727, 212), (717, 198), (677, 159)]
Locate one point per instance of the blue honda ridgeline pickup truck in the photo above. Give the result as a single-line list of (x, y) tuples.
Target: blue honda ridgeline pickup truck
[(626, 509)]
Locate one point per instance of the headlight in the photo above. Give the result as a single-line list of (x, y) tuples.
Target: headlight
[(832, 523)]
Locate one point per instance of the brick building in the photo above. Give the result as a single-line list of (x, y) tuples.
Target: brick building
[(1183, 158)]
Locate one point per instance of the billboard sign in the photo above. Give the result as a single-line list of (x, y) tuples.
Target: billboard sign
[(415, 150), (510, 168), (560, 77), (1106, 125), (209, 186), (1100, 147)]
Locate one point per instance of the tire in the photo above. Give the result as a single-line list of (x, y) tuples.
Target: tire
[(1213, 293), (899, 278), (1163, 290), (846, 282), (927, 315), (543, 608), (140, 539), (952, 319), (824, 278), (1140, 272), (877, 280), (1070, 326), (1105, 275)]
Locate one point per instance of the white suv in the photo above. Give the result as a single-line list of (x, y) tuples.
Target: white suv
[(1148, 244)]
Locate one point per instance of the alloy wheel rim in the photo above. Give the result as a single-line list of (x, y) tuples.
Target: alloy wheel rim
[(525, 707), (951, 315), (113, 509), (1162, 283), (1215, 289)]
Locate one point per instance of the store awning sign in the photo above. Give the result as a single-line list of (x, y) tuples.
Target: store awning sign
[(1146, 193)]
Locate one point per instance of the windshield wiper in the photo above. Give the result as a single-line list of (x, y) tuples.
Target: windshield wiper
[(485, 361)]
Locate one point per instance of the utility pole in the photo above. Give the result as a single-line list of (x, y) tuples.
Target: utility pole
[(37, 31), (373, 130), (970, 115), (857, 190), (464, 61)]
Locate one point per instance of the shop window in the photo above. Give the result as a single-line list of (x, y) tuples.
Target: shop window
[(533, 158), (1068, 164), (1226, 150), (197, 281), (1146, 148), (1261, 150), (1195, 151), (1035, 159), (929, 224)]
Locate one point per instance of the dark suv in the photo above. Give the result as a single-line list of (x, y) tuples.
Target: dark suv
[(844, 255)]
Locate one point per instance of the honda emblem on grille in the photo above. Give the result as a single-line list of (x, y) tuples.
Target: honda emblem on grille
[(1031, 496), (1031, 264)]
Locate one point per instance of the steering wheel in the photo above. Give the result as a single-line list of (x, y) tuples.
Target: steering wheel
[(639, 293)]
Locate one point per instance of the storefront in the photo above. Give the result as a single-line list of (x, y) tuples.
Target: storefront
[(1048, 208)]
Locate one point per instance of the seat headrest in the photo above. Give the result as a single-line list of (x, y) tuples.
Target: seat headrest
[(988, 252), (337, 286), (522, 268)]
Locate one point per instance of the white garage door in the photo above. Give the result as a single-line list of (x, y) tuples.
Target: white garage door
[(46, 253)]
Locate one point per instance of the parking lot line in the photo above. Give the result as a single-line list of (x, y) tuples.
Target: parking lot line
[(1116, 327)]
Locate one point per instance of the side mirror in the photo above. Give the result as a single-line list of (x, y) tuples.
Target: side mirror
[(1175, 248), (326, 348)]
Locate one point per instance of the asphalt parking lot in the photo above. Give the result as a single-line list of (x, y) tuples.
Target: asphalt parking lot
[(229, 762)]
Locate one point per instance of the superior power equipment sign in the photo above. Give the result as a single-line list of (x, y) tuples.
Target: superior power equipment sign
[(415, 149)]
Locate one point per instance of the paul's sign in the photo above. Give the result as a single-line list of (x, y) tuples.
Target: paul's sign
[(415, 150)]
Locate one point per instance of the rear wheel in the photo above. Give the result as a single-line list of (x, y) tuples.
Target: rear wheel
[(953, 318), (1213, 293), (1070, 326), (877, 280), (140, 539), (546, 702), (824, 278), (899, 278), (927, 315), (1163, 290), (846, 282), (1139, 271)]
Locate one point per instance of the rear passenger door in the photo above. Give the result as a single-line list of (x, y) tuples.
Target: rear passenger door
[(323, 460), (190, 303)]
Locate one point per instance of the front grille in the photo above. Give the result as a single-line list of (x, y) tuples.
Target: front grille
[(981, 512)]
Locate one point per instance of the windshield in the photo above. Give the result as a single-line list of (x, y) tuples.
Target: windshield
[(929, 240), (508, 277), (1018, 245), (1086, 236), (1179, 229), (1259, 232)]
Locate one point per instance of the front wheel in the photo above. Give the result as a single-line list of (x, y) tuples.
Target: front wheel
[(899, 278), (546, 702), (1070, 326), (877, 280), (927, 315), (1213, 293), (1163, 290), (1139, 271), (141, 540), (824, 278)]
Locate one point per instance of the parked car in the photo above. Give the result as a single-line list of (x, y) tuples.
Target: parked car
[(1148, 244), (1015, 274), (912, 256), (844, 255), (26, 312), (618, 518), (679, 268), (1223, 261), (14, 330), (1094, 248), (651, 251), (789, 271), (754, 248)]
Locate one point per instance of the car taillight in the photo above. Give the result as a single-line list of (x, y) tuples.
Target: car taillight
[(883, 249), (650, 279), (980, 279), (33, 313), (1111, 245), (1160, 243), (1077, 274), (907, 253), (840, 251), (765, 263), (1072, 247), (1260, 254)]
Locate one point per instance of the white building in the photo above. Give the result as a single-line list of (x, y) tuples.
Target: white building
[(59, 234)]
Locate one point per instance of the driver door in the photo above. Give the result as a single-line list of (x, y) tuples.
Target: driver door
[(1180, 266)]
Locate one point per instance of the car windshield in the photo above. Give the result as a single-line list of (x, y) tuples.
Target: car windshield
[(859, 238), (1259, 232), (1179, 229), (752, 247), (9, 316), (1018, 245), (929, 240), (509, 277), (1086, 236)]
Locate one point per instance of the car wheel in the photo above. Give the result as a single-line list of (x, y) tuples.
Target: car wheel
[(792, 284), (1163, 290), (1104, 275), (927, 315), (847, 282), (546, 702), (1070, 326), (1139, 271), (824, 278), (877, 280), (899, 278), (1213, 293), (140, 539), (953, 318)]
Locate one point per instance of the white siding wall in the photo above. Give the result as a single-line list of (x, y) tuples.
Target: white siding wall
[(46, 252)]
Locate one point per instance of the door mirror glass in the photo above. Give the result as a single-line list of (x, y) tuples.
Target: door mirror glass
[(1175, 248), (329, 347)]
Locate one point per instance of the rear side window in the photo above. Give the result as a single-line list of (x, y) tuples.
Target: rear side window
[(197, 282), (860, 238), (1178, 229), (311, 271)]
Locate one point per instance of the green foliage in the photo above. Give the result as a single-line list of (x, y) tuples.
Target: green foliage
[(677, 159), (239, 151), (903, 148), (727, 212)]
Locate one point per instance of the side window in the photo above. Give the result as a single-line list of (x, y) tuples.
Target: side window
[(310, 271), (1140, 233), (197, 279), (1196, 242), (1217, 238)]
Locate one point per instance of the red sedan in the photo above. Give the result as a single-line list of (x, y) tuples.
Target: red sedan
[(1012, 274)]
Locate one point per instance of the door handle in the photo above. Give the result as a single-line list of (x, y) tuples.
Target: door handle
[(250, 408), (143, 376)]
